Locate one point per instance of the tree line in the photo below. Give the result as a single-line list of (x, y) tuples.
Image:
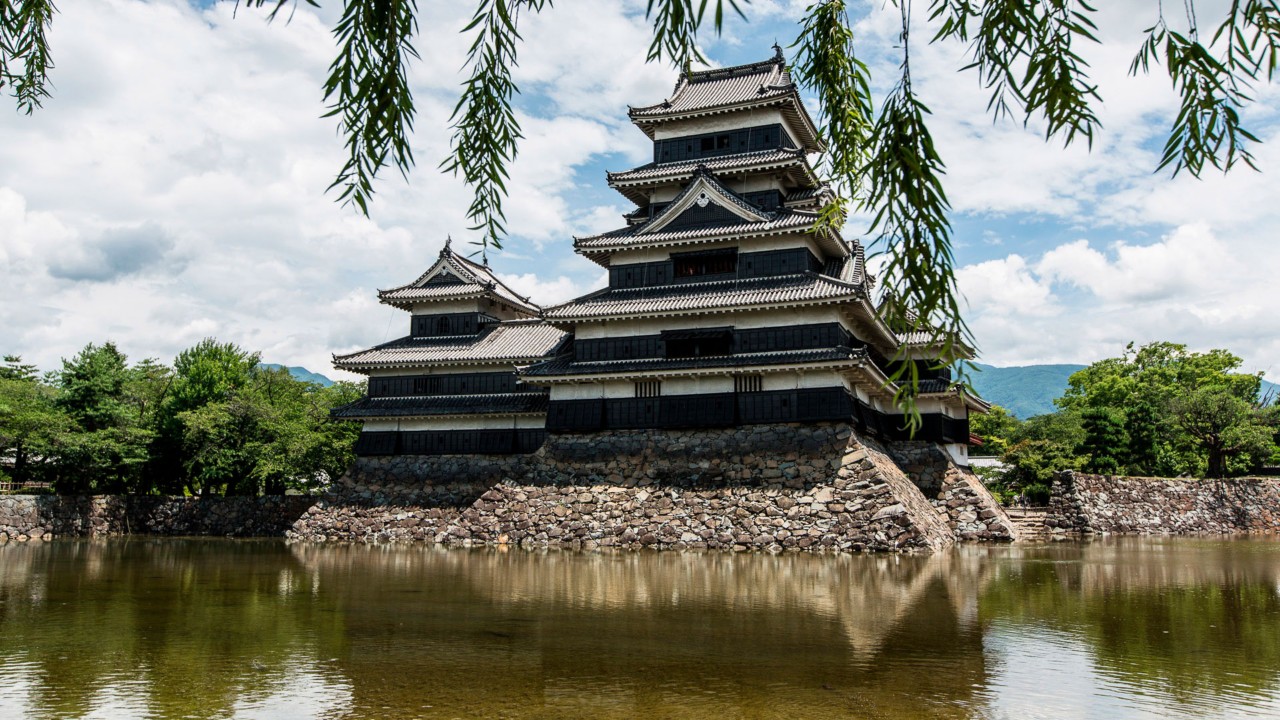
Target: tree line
[(1158, 410), (215, 423)]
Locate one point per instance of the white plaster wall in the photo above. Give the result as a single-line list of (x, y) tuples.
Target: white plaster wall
[(592, 390), (716, 123), (697, 385), (447, 306), (500, 310), (959, 453), (810, 379)]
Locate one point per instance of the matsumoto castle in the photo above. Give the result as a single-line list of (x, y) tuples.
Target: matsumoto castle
[(725, 307)]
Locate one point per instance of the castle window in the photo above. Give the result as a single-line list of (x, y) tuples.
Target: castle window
[(748, 383), (718, 262), (649, 389), (709, 342)]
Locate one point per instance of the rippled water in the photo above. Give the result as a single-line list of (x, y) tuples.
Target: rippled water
[(151, 628)]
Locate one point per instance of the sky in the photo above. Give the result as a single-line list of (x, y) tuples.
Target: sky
[(173, 188)]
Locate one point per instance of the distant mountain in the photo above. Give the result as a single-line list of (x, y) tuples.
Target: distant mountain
[(300, 373), (1030, 390), (1024, 391)]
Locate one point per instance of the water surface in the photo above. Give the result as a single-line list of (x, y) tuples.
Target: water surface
[(163, 628)]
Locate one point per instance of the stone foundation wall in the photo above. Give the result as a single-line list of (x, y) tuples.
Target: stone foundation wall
[(765, 487), (955, 492), (816, 487), (1088, 504), (43, 517)]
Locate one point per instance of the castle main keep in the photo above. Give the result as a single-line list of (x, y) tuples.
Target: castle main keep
[(729, 308)]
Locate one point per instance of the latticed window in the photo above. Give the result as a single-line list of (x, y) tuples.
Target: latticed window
[(748, 383), (649, 389)]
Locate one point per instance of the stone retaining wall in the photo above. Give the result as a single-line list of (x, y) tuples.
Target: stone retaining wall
[(970, 509), (1087, 504), (816, 487), (43, 517), (793, 486)]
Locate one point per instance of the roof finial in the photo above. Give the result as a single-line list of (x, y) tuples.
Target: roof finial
[(448, 240), (777, 51)]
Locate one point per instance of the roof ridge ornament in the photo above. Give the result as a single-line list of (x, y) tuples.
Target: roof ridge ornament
[(777, 52), (448, 241)]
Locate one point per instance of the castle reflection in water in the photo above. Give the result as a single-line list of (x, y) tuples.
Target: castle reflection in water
[(217, 629)]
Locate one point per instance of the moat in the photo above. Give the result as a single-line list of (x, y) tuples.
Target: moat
[(163, 628)]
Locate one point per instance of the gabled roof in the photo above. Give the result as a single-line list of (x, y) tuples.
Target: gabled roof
[(634, 183), (509, 343), (598, 247), (454, 277), (700, 298), (702, 190), (721, 90)]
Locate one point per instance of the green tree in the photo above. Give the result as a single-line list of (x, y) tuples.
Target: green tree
[(995, 427), (1149, 387), (207, 373), (1032, 464), (109, 448), (270, 435), (1232, 432), (1105, 447), (1145, 428), (14, 369), (33, 429), (886, 164)]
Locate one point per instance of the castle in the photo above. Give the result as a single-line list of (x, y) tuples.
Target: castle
[(729, 389), (727, 306)]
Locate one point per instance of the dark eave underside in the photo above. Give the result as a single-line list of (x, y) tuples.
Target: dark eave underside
[(497, 404), (787, 221), (514, 342), (800, 288), (635, 183), (565, 366)]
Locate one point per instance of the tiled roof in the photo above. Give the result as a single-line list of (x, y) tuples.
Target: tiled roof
[(496, 404), (724, 89), (469, 279), (935, 385), (808, 197), (632, 237), (565, 366), (724, 86), (725, 164), (801, 288), (509, 342)]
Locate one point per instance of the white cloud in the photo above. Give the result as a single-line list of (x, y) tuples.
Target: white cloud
[(1006, 283), (1077, 303), (550, 291), (174, 187)]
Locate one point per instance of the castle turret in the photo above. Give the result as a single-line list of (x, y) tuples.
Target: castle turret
[(450, 385)]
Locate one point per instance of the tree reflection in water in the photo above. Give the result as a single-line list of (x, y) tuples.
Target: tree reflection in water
[(219, 628)]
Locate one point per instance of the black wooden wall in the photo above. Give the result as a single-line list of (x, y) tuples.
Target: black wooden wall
[(795, 337), (458, 384), (451, 442), (726, 142), (750, 265)]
